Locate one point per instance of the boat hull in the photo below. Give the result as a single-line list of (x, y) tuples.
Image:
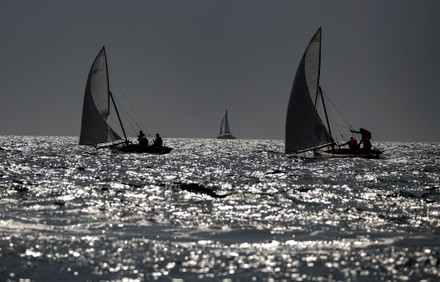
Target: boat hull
[(228, 136), (347, 153), (136, 148)]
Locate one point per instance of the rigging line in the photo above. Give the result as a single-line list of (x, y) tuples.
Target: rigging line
[(128, 102), (113, 123), (337, 111), (131, 127), (133, 120), (340, 125), (340, 128), (335, 126), (126, 114), (130, 118)]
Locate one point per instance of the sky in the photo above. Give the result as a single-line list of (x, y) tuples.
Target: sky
[(180, 63)]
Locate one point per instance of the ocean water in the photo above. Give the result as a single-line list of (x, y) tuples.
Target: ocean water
[(216, 210)]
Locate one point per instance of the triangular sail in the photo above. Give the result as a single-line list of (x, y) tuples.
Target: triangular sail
[(96, 106), (304, 126), (222, 125), (227, 130)]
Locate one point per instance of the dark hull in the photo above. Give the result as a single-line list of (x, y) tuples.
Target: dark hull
[(136, 148), (347, 153), (225, 137)]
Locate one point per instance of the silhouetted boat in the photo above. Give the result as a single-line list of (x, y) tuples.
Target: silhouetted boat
[(305, 130), (96, 109), (225, 132)]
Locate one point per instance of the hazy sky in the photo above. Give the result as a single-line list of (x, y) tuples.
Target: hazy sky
[(181, 63)]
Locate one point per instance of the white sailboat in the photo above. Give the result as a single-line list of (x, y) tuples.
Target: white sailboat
[(305, 129), (96, 109), (225, 132)]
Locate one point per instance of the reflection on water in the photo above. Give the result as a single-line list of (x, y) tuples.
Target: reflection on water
[(219, 209)]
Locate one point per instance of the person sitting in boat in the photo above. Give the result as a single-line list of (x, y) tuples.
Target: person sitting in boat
[(142, 139), (352, 144), (158, 141)]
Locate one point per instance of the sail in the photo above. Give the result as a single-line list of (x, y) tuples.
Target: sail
[(96, 105), (304, 126), (227, 130), (222, 123)]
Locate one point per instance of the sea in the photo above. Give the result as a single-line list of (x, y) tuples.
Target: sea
[(217, 210)]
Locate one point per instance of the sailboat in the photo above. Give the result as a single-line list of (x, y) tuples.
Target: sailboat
[(96, 109), (305, 129), (225, 132)]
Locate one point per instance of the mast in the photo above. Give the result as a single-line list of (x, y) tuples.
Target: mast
[(111, 96), (326, 118), (221, 125), (227, 130), (319, 91), (119, 117)]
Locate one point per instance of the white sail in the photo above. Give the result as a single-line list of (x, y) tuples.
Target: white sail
[(304, 126), (96, 105)]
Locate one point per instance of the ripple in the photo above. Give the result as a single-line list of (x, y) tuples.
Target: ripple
[(238, 210)]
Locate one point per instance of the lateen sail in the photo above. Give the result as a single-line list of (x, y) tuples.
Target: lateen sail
[(304, 126), (96, 107)]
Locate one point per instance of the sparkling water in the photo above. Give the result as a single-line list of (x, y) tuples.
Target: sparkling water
[(213, 210)]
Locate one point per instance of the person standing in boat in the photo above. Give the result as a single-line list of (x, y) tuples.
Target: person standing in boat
[(365, 134), (158, 141), (142, 139), (366, 147)]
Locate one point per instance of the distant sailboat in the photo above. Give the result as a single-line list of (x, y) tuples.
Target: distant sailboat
[(225, 132), (305, 130), (96, 109)]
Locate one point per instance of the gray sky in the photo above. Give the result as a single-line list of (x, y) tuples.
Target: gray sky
[(181, 63)]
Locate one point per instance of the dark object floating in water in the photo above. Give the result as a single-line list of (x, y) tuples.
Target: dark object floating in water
[(21, 189), (197, 188), (276, 171), (59, 203)]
